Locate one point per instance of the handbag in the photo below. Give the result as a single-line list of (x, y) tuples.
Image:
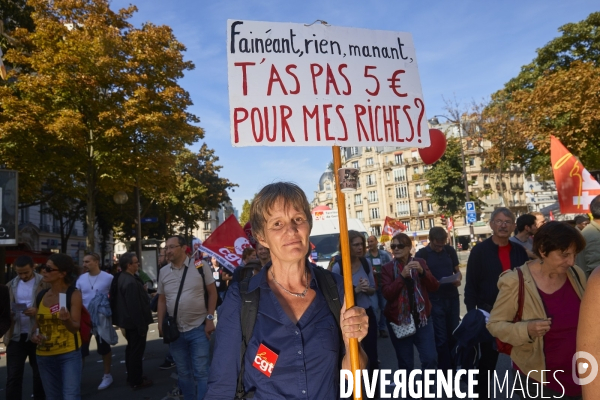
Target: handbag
[(169, 324), (500, 345), (404, 330)]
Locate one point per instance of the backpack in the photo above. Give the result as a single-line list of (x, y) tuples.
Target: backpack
[(85, 322), (249, 312), (219, 299), (338, 259)]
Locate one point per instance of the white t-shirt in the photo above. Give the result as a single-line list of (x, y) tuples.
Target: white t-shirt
[(23, 296), (90, 285)]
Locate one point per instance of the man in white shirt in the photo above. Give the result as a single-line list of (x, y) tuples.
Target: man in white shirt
[(23, 290), (195, 316), (92, 282)]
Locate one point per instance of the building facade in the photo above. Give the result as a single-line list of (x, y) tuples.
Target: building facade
[(392, 183)]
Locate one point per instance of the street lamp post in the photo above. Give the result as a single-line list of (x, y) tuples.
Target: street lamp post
[(121, 198), (435, 121)]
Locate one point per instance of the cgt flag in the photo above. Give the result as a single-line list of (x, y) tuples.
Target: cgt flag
[(575, 186), (390, 228), (227, 243)]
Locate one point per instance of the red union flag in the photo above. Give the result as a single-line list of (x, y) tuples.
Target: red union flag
[(227, 243), (390, 228), (575, 186)]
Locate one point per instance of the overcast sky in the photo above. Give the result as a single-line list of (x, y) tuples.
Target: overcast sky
[(465, 49)]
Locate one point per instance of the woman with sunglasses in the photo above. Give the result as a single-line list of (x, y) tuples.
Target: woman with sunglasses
[(406, 282), (364, 287), (57, 332)]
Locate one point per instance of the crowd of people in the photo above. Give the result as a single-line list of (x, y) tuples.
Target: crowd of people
[(283, 329)]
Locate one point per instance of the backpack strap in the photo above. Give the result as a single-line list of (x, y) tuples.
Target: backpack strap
[(574, 272), (40, 296), (248, 316), (366, 265), (330, 291)]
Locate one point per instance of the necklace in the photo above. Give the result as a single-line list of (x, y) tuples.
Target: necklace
[(90, 280), (287, 291)]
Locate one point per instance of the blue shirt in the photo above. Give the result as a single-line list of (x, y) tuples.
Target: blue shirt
[(309, 352), (441, 265)]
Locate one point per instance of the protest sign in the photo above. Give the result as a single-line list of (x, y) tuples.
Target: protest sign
[(319, 85)]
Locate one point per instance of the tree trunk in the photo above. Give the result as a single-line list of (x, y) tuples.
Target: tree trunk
[(138, 228)]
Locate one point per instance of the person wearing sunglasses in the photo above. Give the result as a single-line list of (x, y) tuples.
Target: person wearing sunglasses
[(57, 331), (407, 282)]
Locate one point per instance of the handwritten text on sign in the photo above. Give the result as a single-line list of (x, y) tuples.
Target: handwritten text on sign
[(297, 85)]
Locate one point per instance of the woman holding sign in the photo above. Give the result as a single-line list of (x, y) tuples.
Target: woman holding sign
[(57, 330), (290, 344)]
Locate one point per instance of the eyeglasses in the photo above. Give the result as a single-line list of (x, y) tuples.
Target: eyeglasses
[(48, 269), (397, 246), (171, 247), (502, 223)]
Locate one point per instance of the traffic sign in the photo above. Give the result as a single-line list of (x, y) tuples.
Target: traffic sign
[(470, 206), (149, 220), (471, 213), (471, 218)]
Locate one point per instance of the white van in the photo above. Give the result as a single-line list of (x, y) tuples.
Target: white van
[(325, 236)]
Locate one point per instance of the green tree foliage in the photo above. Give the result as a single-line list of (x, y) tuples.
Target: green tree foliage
[(245, 216), (103, 107), (445, 180)]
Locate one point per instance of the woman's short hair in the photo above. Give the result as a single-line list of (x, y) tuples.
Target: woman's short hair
[(65, 263), (556, 235), (265, 200), (353, 235), (247, 252), (402, 238)]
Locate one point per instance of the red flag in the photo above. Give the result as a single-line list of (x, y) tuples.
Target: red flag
[(248, 230), (390, 228), (575, 186), (551, 216), (227, 243), (450, 224)]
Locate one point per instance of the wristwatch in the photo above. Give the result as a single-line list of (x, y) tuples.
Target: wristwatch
[(210, 317)]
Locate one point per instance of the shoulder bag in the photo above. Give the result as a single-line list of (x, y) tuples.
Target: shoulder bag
[(169, 324)]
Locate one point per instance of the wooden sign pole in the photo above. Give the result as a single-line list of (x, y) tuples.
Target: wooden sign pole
[(346, 265)]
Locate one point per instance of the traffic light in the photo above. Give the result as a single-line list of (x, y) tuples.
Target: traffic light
[(444, 219)]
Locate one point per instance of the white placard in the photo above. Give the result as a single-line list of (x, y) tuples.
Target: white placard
[(297, 85), (62, 300)]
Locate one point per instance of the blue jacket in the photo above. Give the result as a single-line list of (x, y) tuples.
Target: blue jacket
[(99, 309)]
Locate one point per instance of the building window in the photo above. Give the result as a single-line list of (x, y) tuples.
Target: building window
[(407, 224), (391, 209), (401, 192), (368, 148), (376, 230), (359, 215), (431, 223), (420, 206), (422, 224), (388, 176), (418, 189), (328, 197), (415, 155), (402, 208), (474, 180), (353, 151), (374, 213), (372, 196), (355, 164), (416, 170), (399, 159), (471, 161), (24, 215), (357, 199), (429, 207), (358, 182), (370, 161), (328, 186), (371, 180), (207, 226), (399, 175)]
